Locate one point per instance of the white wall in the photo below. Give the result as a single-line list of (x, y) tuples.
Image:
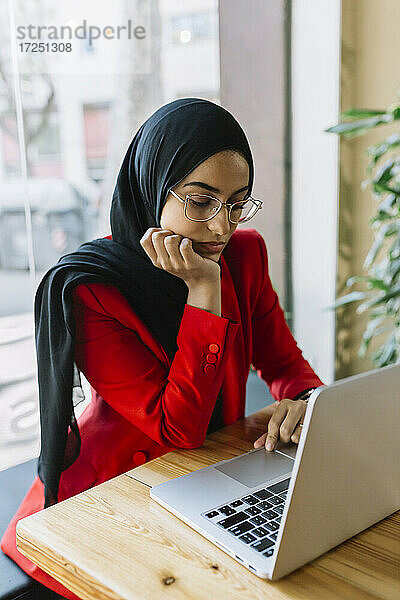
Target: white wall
[(316, 82)]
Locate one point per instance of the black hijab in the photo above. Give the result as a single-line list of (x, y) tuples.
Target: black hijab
[(168, 146)]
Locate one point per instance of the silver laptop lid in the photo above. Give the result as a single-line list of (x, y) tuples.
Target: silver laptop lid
[(347, 476)]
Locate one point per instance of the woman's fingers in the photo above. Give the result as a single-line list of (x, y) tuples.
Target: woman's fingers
[(296, 409), (268, 412), (296, 434), (171, 252), (172, 245), (175, 254), (283, 424), (186, 249), (147, 245), (260, 441), (274, 425), (158, 239), (162, 247)]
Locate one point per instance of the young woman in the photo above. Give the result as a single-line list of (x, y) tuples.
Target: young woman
[(164, 316)]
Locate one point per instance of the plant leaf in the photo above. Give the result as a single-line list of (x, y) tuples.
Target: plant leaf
[(378, 150), (386, 230), (377, 284), (387, 353), (361, 113), (360, 126), (348, 299), (369, 333), (380, 299), (396, 113), (373, 251), (356, 278)]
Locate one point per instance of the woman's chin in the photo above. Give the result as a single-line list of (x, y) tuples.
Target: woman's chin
[(215, 256)]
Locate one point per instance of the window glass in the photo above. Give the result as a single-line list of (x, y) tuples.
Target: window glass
[(193, 27), (67, 115)]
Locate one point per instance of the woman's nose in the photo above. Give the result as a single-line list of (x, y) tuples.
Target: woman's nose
[(220, 223)]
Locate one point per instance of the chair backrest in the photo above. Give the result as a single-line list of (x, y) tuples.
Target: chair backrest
[(14, 483)]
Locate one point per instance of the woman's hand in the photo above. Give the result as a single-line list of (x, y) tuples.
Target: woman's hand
[(175, 254), (283, 420)]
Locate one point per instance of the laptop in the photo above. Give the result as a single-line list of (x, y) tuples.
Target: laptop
[(276, 511)]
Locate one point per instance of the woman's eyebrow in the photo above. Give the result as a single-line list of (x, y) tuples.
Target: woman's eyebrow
[(210, 188)]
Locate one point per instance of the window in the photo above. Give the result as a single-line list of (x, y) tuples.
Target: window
[(196, 27), (78, 116), (96, 123)]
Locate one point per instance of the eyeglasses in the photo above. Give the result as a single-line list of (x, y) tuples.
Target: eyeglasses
[(201, 207)]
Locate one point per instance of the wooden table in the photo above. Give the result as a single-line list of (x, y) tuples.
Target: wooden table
[(114, 541)]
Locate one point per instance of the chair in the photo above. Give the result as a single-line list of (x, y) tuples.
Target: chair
[(15, 584)]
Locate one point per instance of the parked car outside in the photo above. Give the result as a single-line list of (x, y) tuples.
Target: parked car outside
[(63, 216)]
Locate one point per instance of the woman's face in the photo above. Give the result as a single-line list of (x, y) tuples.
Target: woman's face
[(225, 176)]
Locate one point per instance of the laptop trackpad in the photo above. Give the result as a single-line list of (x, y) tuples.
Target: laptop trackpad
[(257, 467)]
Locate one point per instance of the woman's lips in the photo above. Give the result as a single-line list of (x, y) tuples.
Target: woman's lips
[(211, 247)]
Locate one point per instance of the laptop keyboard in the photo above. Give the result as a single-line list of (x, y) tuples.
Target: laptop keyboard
[(253, 519)]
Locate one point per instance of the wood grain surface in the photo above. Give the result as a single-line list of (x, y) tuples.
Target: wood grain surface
[(113, 541)]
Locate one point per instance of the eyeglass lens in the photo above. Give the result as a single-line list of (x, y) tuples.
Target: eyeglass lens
[(201, 208)]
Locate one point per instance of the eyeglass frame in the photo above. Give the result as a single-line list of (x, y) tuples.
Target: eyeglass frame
[(257, 202)]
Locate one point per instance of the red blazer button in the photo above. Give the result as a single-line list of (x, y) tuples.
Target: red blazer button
[(209, 368), (139, 458), (213, 348), (211, 358)]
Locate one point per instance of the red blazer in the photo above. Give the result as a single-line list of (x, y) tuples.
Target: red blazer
[(143, 405)]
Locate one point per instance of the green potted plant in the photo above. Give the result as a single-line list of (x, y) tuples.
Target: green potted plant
[(381, 298)]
